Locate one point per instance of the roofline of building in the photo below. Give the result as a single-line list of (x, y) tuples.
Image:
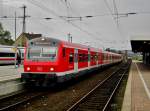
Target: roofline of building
[(140, 38)]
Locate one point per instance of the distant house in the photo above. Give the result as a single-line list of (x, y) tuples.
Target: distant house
[(24, 37)]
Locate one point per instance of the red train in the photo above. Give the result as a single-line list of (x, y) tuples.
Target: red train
[(50, 60)]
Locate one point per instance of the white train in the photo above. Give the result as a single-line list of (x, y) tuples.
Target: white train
[(8, 56)]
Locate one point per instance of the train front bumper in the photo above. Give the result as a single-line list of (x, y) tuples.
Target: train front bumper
[(27, 76)]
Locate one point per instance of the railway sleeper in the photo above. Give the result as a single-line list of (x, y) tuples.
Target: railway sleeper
[(89, 108)]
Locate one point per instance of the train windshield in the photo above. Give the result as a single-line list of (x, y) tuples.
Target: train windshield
[(42, 53)]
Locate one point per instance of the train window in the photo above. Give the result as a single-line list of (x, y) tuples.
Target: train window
[(96, 57), (64, 52), (91, 57), (7, 54), (42, 53), (80, 57), (22, 55), (11, 54), (83, 59), (106, 56), (86, 57), (71, 58), (99, 57), (103, 56), (110, 57)]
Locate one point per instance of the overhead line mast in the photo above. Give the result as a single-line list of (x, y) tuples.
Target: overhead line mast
[(15, 26), (24, 19)]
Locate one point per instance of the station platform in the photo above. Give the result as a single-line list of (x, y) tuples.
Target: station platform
[(137, 94), (10, 80), (8, 72)]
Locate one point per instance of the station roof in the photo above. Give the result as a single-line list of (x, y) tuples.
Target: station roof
[(140, 43)]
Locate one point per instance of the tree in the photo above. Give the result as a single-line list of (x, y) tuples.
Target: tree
[(1, 30), (5, 36)]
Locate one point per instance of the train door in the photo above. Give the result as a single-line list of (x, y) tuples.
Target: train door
[(97, 59), (71, 61), (75, 60), (89, 58)]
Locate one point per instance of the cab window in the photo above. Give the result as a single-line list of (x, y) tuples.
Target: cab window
[(71, 58)]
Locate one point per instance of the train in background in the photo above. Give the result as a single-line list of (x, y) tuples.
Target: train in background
[(49, 60), (8, 54)]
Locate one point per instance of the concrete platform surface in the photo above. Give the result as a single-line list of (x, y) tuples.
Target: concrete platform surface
[(10, 79), (137, 95), (8, 72)]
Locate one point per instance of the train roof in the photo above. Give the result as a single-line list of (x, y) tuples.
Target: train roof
[(8, 46), (69, 44), (79, 46), (65, 43), (111, 53), (7, 50), (45, 39)]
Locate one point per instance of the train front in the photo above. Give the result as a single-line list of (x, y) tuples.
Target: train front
[(41, 61)]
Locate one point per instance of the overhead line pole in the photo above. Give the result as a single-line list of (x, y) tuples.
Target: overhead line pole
[(116, 12), (15, 26), (24, 19)]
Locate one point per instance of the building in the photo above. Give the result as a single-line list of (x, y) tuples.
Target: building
[(141, 44), (24, 37)]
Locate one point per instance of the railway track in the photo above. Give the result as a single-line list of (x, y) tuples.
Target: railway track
[(98, 99), (10, 102)]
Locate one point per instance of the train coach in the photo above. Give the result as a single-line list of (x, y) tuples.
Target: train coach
[(49, 60), (7, 54)]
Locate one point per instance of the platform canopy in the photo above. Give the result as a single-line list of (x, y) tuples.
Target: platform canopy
[(140, 43)]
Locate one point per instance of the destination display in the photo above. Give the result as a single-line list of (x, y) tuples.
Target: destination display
[(43, 43)]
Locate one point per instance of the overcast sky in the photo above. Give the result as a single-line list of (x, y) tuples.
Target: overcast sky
[(101, 30)]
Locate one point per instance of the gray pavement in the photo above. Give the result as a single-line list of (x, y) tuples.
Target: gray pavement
[(137, 95), (8, 72)]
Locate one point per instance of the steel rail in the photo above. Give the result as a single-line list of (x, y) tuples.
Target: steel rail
[(20, 102), (104, 109), (74, 106), (85, 96), (12, 94)]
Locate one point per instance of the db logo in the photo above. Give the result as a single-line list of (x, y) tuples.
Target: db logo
[(39, 68)]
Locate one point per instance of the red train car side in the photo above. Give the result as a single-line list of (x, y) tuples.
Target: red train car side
[(50, 60)]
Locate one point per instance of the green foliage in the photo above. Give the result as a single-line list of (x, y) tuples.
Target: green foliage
[(137, 57), (5, 36)]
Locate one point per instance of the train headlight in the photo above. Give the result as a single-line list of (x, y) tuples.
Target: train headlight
[(51, 69), (28, 68), (43, 39)]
